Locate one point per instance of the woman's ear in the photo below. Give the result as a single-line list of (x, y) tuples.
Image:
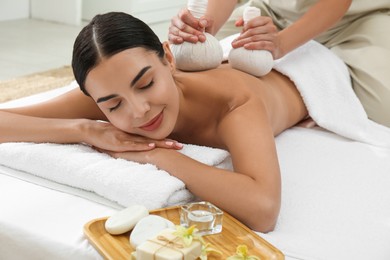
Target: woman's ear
[(169, 56)]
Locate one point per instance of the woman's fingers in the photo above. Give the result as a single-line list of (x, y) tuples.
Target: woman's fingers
[(169, 144), (138, 143), (108, 137), (131, 145)]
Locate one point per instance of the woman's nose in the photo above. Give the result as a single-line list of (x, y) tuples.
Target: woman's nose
[(139, 109)]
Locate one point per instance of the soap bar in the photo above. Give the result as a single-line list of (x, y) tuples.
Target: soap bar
[(167, 246), (148, 227), (126, 219)]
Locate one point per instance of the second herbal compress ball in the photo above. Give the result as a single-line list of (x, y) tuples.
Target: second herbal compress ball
[(255, 62)]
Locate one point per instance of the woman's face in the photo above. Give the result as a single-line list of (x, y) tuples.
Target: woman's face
[(136, 92)]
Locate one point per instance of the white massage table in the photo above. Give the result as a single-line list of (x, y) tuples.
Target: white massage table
[(335, 202)]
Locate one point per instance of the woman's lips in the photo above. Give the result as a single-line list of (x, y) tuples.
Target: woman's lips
[(154, 123)]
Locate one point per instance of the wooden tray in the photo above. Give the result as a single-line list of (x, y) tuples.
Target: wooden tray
[(233, 233)]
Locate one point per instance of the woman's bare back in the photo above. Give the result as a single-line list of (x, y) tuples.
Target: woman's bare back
[(212, 95)]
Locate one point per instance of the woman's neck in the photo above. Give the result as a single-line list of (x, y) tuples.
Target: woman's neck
[(198, 115)]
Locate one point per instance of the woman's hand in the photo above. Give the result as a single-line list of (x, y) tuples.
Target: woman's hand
[(105, 136), (185, 27), (143, 157), (260, 33)]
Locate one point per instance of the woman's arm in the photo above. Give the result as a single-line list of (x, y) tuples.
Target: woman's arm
[(20, 128), (70, 118), (56, 120), (252, 192), (72, 104)]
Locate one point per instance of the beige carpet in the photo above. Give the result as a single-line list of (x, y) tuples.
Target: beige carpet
[(35, 83)]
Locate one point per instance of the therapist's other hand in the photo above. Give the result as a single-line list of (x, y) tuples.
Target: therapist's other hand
[(105, 136), (260, 33), (186, 28)]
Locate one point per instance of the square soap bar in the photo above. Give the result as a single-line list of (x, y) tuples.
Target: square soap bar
[(167, 246)]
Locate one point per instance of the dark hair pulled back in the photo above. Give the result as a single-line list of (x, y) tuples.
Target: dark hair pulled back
[(106, 35)]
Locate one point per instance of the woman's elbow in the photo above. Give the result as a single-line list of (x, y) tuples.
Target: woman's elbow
[(264, 214)]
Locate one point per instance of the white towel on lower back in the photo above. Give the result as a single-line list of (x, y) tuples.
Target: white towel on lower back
[(324, 84)]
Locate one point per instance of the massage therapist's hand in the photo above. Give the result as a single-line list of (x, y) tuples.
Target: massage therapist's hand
[(260, 33), (185, 27), (105, 136)]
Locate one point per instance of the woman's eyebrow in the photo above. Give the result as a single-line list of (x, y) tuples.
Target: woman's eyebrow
[(136, 78), (103, 99), (140, 74)]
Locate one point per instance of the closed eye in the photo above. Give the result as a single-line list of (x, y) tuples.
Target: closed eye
[(115, 107), (148, 85)]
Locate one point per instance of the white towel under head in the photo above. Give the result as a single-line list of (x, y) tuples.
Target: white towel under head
[(118, 180)]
